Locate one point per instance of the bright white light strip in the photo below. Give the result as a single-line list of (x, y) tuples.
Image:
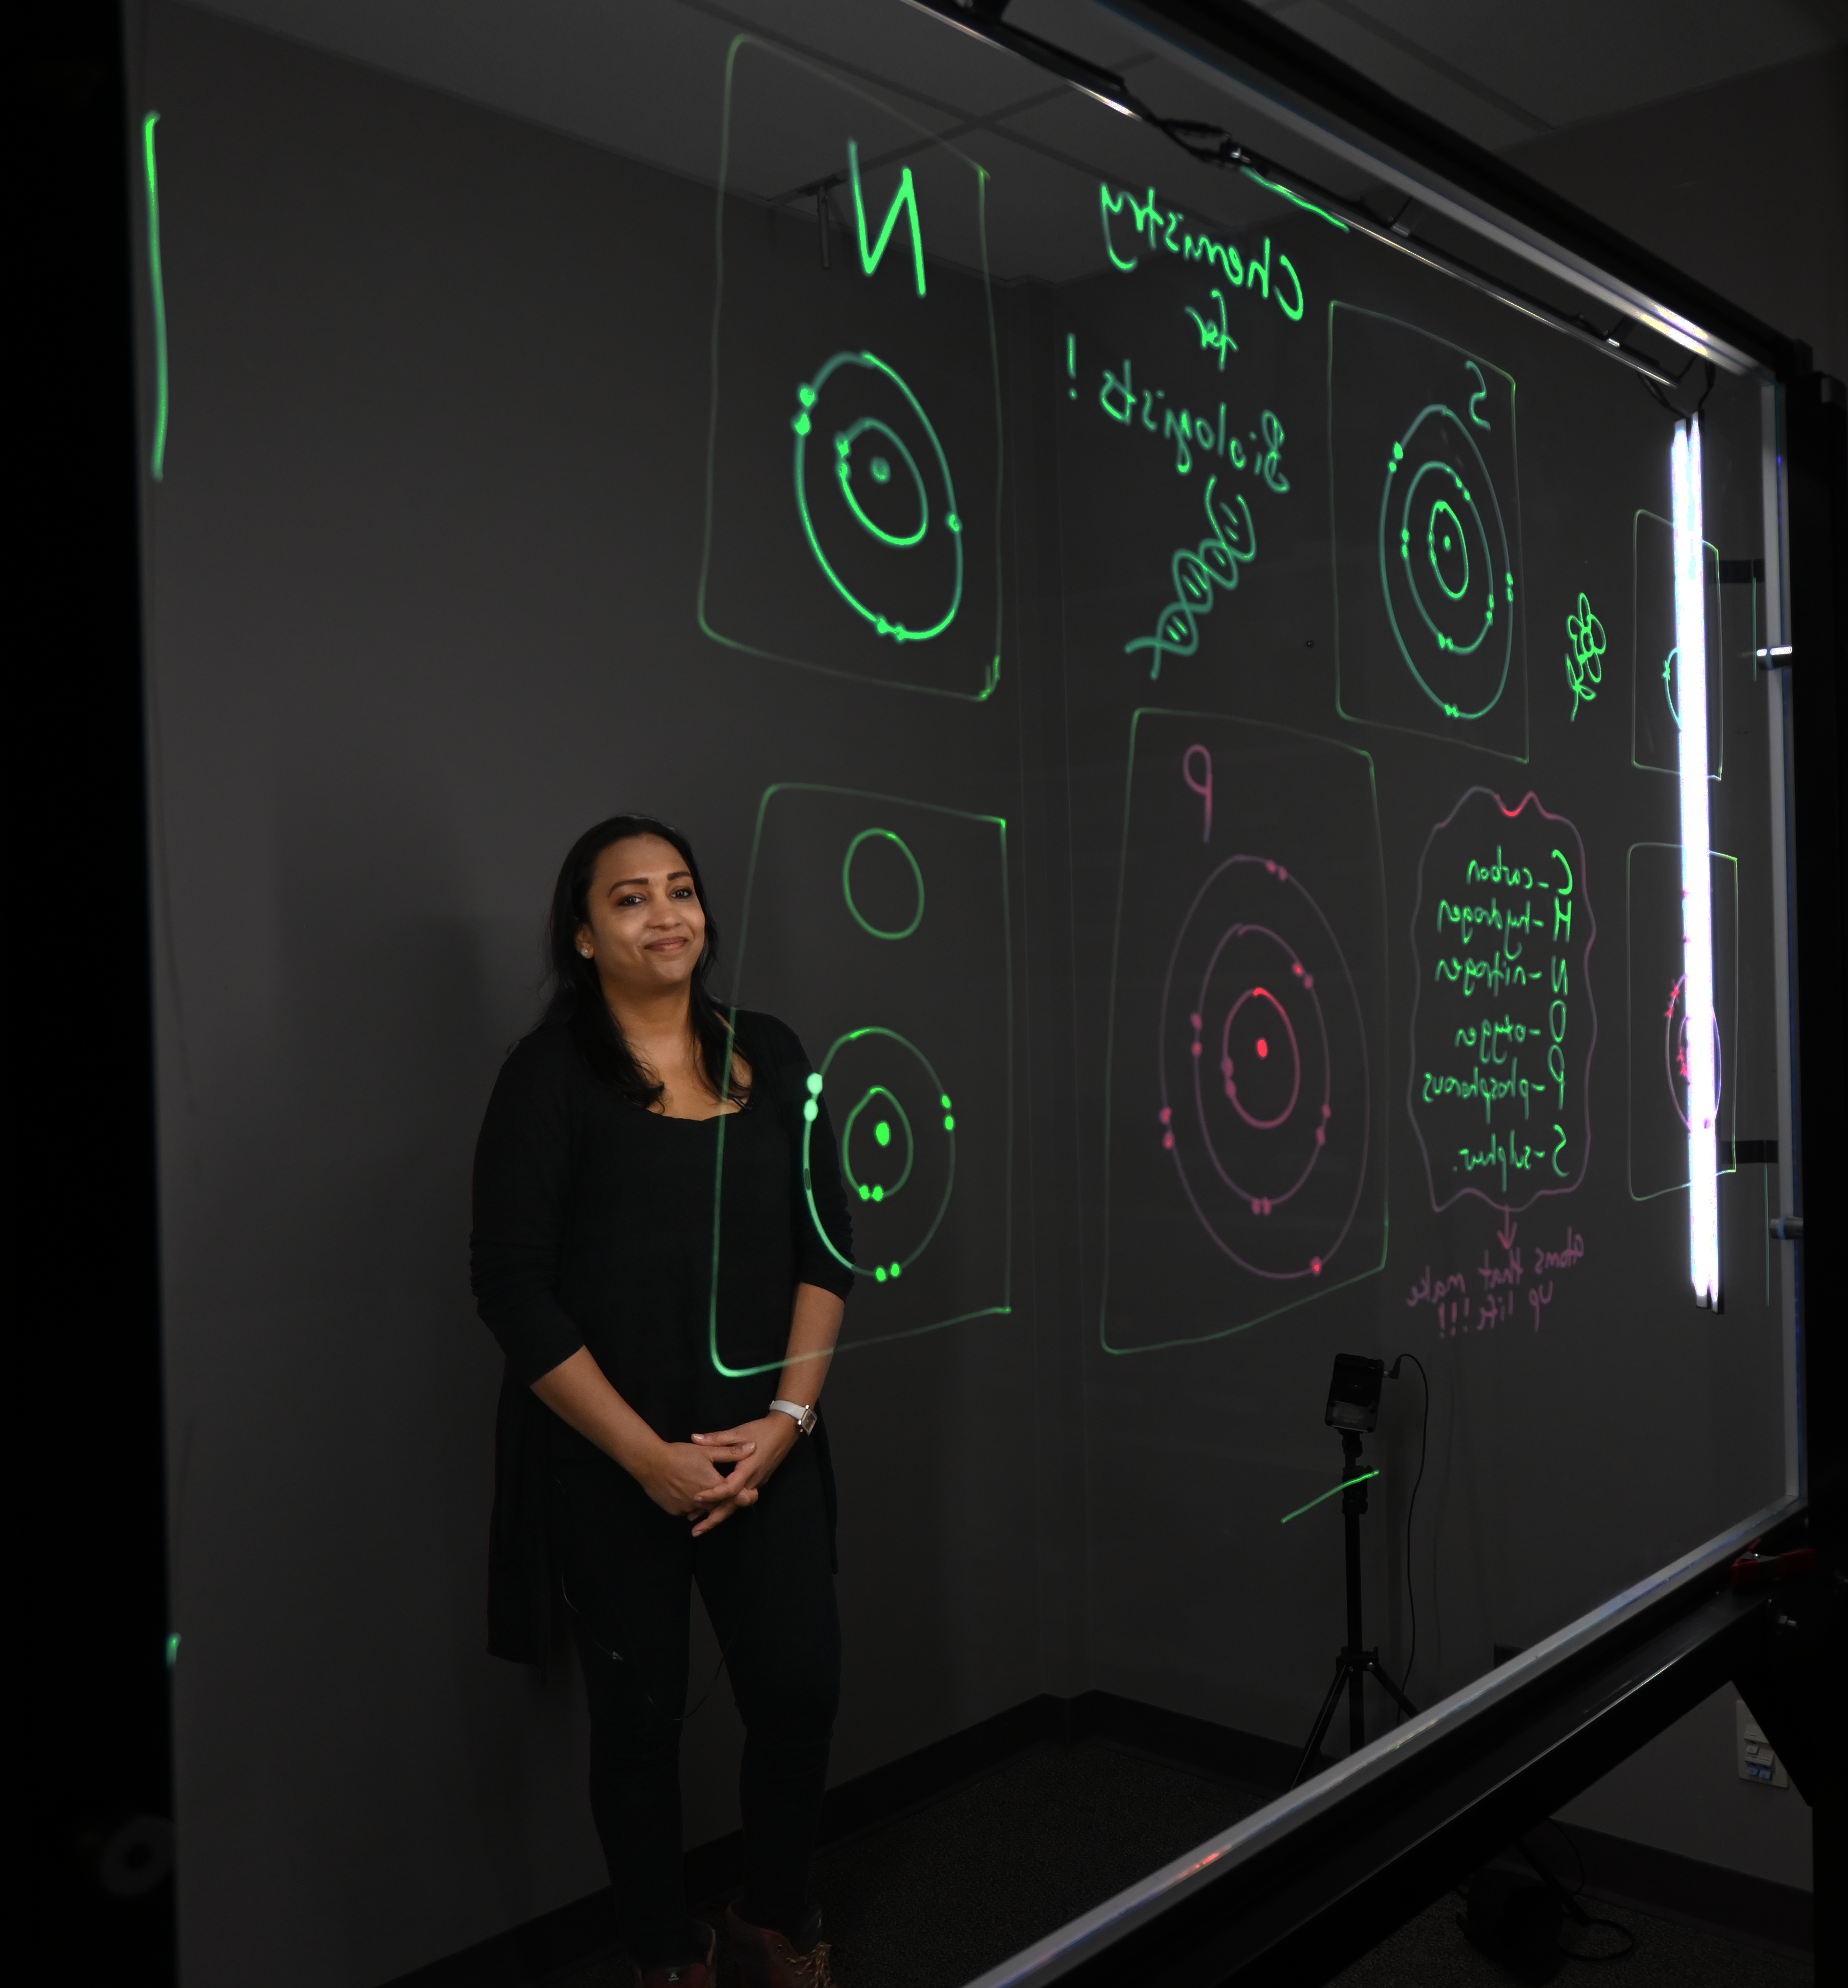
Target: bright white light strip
[(1697, 892)]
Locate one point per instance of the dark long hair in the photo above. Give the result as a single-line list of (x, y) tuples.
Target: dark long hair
[(575, 992)]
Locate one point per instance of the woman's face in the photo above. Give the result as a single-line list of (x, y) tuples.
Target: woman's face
[(646, 927)]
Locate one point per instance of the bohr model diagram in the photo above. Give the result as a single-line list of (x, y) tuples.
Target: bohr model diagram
[(895, 1122), (877, 504), (1674, 1052), (1264, 1090), (1444, 566)]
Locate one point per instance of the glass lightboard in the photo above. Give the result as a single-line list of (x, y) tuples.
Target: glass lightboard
[(1254, 766)]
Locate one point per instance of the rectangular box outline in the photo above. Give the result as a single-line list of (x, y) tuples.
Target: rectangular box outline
[(1005, 1308), (1524, 757), (1629, 1046), (712, 442), (1116, 940), (1715, 772)]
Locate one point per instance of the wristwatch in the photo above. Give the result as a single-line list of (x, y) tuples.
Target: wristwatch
[(804, 1419)]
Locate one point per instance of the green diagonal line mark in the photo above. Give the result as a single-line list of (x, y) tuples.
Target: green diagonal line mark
[(1314, 1502)]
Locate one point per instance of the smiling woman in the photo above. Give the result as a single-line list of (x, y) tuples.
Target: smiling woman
[(628, 1465)]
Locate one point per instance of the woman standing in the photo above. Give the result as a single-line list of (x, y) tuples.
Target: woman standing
[(629, 1462)]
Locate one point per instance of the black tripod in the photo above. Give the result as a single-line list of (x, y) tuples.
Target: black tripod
[(1354, 1665)]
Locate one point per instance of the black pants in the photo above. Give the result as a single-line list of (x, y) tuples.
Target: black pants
[(766, 1577)]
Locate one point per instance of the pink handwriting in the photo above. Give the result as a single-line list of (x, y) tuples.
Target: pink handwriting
[(1458, 1307), (1202, 786)]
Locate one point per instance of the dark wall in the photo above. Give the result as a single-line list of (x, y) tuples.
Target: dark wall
[(422, 574), (1744, 185)]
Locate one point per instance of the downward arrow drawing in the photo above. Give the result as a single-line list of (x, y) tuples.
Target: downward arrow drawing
[(1509, 1228)]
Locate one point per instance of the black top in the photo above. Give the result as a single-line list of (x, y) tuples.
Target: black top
[(593, 1226)]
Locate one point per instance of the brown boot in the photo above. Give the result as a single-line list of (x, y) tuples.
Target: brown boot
[(766, 1959), (689, 1973)]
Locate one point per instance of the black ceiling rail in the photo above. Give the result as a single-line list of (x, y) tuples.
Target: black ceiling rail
[(1231, 35), (1236, 31)]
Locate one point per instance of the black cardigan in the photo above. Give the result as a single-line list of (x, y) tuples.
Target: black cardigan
[(593, 1226)]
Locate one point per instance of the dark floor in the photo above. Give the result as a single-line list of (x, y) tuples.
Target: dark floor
[(933, 1899), (1431, 1952)]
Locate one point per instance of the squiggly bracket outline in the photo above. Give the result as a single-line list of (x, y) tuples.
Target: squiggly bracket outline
[(1582, 896)]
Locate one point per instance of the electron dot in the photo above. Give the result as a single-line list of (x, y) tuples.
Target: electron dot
[(949, 1124), (944, 1102), (881, 473), (880, 1274), (865, 1191), (897, 1270), (878, 1194), (815, 1083), (883, 1132), (1264, 1048), (811, 1111)]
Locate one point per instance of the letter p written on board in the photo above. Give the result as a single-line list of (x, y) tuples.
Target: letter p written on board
[(1203, 786)]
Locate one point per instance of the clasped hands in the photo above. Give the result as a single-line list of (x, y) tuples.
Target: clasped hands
[(684, 1478)]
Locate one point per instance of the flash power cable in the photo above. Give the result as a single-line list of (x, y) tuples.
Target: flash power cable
[(1424, 1445)]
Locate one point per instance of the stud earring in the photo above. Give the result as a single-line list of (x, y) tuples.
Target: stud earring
[(585, 950)]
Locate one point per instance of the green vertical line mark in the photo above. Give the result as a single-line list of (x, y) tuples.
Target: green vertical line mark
[(157, 460), (1314, 1502)]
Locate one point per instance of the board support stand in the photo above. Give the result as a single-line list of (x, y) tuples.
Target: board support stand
[(1353, 1664)]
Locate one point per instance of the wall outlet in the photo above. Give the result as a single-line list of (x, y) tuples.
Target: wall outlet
[(1756, 1762)]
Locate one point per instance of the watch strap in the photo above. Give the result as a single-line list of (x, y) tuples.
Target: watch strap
[(801, 1414)]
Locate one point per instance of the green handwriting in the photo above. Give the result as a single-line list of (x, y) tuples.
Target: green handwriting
[(1495, 972), (1483, 1083), (1163, 229), (904, 201), (1214, 562), (1584, 654), (1188, 432), (1213, 337)]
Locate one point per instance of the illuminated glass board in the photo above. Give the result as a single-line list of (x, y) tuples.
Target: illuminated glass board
[(1252, 766)]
